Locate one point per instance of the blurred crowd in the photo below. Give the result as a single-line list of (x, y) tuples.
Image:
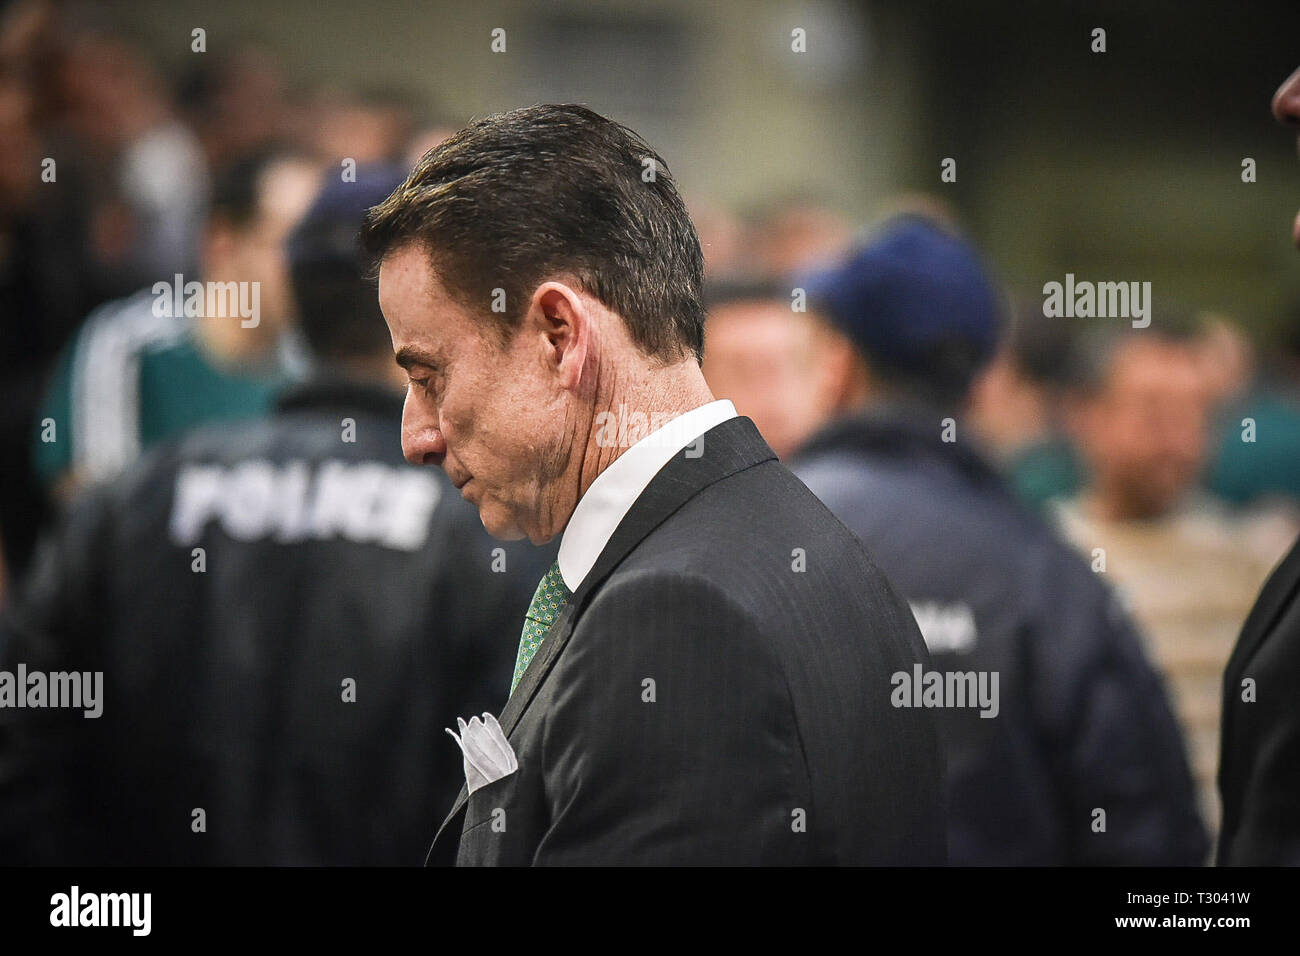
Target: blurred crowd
[(115, 175), (1086, 507), (914, 394), (203, 500)]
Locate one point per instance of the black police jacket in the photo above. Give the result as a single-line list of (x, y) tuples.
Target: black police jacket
[(1070, 754), (285, 617)]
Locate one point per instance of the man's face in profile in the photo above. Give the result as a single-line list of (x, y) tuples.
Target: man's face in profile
[(255, 251), (491, 416), (1286, 107), (764, 357)]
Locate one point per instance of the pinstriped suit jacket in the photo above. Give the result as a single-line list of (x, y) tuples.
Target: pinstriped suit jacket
[(1259, 758), (717, 691)]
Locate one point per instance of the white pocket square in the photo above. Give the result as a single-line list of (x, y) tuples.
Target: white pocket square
[(488, 755)]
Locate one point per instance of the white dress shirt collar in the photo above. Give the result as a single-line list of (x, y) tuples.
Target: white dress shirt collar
[(615, 489)]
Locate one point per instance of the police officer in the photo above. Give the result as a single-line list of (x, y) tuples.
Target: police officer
[(285, 614), (1060, 744)]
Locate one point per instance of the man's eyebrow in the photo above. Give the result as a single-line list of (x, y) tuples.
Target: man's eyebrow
[(408, 355)]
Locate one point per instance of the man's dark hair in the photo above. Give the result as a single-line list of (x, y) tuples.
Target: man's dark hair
[(549, 191)]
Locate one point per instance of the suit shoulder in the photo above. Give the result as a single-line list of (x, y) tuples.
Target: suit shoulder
[(675, 607), (651, 591), (677, 627), (754, 508)]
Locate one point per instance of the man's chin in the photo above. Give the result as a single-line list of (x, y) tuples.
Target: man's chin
[(508, 530), (499, 526)]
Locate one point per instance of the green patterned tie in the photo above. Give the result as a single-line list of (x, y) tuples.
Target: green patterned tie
[(550, 596)]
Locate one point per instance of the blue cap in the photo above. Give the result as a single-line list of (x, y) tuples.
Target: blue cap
[(327, 233), (911, 291)]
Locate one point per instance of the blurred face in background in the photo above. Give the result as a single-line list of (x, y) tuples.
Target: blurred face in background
[(248, 105), (109, 90), (365, 131), (779, 367), (797, 236), (722, 238), (254, 251), (1144, 432), (1008, 409), (18, 146)]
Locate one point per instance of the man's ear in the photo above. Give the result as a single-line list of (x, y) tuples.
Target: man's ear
[(567, 329)]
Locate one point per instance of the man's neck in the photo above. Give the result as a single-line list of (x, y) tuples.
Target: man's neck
[(660, 395)]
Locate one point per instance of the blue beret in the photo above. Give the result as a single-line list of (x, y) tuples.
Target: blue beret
[(910, 288)]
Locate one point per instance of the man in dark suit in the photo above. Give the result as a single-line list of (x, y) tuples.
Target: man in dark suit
[(1259, 762), (706, 674)]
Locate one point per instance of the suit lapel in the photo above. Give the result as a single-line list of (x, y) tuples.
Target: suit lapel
[(557, 635), (727, 448)]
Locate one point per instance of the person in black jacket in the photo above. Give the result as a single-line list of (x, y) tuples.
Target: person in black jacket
[(285, 615), (1064, 751), (1259, 758)]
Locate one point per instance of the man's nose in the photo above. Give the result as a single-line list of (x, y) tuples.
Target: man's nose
[(1181, 436), (422, 441), (1286, 101)]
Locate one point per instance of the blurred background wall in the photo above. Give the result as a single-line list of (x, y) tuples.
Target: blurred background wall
[(1125, 164)]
